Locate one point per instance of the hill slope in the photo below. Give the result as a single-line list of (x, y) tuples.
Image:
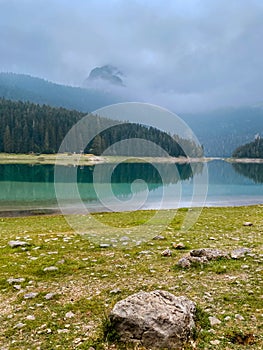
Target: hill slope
[(26, 88), (250, 150)]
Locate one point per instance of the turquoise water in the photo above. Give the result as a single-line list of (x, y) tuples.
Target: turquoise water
[(117, 187)]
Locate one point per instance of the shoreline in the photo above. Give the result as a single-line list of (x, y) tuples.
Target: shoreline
[(90, 159), (20, 213)]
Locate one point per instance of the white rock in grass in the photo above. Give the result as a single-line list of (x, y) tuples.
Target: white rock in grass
[(214, 321), (70, 314), (50, 268)]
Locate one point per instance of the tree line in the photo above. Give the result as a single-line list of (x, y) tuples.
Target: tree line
[(253, 149), (31, 128)]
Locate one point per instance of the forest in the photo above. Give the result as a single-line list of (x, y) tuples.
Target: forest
[(31, 128), (253, 149)]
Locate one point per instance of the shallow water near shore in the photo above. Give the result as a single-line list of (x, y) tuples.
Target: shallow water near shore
[(31, 187)]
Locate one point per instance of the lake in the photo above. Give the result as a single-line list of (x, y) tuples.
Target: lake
[(115, 187)]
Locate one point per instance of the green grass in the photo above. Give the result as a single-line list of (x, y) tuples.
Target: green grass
[(87, 274)]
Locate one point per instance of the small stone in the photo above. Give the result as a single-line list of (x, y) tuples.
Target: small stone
[(184, 263), (70, 314), (49, 296), (115, 291), (215, 342), (239, 253), (212, 238), (15, 280), (158, 238), (17, 286), (50, 268), (62, 261), (31, 318), (247, 223), (63, 331), (214, 321), (16, 244), (227, 318), (179, 246), (30, 295), (239, 317), (104, 245), (166, 252), (19, 325)]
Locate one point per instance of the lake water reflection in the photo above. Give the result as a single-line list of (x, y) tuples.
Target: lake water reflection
[(27, 186)]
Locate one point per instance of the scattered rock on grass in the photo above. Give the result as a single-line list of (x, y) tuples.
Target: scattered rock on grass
[(30, 295), (16, 244), (166, 252), (179, 246), (247, 223), (214, 321), (50, 268), (156, 319), (239, 253), (12, 280)]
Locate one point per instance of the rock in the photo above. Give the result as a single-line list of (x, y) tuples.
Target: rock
[(69, 314), (17, 286), (115, 291), (31, 318), (215, 342), (104, 245), (166, 252), (209, 254), (201, 256), (156, 319), (16, 244), (239, 253), (247, 223), (239, 317), (19, 325), (178, 246), (30, 295), (214, 321), (184, 263), (50, 268), (158, 238), (15, 280), (49, 296)]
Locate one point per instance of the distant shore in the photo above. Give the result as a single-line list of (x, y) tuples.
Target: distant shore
[(90, 159)]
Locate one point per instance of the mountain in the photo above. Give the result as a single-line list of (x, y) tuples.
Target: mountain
[(223, 130), (220, 131), (106, 74), (26, 88)]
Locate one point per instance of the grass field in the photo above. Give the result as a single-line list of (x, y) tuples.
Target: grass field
[(89, 280)]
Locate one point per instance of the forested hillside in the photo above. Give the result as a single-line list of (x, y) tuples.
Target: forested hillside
[(26, 127), (250, 150)]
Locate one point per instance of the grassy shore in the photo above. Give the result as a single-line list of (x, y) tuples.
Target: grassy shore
[(90, 159), (89, 280)]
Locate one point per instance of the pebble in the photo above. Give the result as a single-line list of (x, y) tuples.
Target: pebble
[(49, 296), (239, 317), (215, 342), (15, 280), (247, 223), (158, 238), (166, 252), (15, 244), (19, 325), (50, 268), (30, 295), (227, 318), (31, 318), (115, 291), (70, 314), (17, 286), (104, 245), (178, 246), (214, 321)]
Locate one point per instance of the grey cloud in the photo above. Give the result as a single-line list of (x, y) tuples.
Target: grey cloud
[(184, 55)]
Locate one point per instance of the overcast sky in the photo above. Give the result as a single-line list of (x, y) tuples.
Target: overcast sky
[(184, 55)]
